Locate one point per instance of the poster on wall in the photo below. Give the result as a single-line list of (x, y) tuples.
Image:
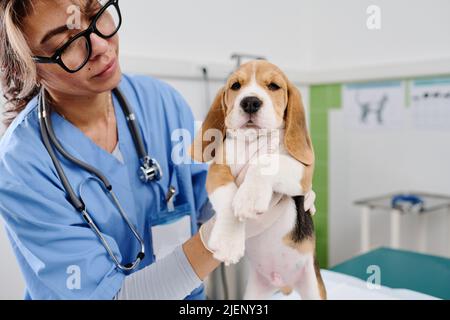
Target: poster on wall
[(430, 103), (374, 106)]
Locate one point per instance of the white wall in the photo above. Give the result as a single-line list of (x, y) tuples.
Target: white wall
[(411, 30), (300, 34), (210, 31)]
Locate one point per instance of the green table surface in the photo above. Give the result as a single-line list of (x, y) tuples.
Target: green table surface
[(403, 269)]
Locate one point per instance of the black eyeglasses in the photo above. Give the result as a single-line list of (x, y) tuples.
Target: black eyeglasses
[(75, 53)]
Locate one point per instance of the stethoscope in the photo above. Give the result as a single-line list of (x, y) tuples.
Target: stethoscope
[(149, 171)]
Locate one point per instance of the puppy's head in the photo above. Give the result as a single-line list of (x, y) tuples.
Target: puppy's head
[(257, 96)]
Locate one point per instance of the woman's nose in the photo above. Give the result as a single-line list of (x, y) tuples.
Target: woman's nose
[(99, 46)]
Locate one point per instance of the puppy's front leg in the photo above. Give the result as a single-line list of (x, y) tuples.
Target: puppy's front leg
[(271, 173), (228, 235)]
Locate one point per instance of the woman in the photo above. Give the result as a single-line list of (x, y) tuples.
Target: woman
[(42, 51)]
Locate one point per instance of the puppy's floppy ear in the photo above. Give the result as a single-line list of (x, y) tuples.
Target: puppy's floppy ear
[(297, 139), (211, 135)]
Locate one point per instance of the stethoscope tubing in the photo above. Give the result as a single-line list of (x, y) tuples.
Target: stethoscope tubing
[(49, 139)]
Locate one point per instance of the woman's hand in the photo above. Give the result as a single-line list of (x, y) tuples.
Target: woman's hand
[(310, 199)]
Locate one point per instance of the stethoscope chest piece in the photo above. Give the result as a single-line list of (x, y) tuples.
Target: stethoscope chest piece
[(150, 170)]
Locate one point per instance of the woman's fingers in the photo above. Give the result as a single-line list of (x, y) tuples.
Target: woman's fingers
[(310, 198)]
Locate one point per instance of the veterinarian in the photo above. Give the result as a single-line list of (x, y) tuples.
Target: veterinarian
[(94, 206)]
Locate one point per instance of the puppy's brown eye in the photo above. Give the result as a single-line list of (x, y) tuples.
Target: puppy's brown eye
[(273, 86), (236, 86)]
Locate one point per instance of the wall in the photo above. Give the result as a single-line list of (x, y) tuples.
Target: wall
[(210, 31), (411, 31)]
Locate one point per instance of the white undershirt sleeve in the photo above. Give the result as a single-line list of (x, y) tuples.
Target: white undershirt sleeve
[(171, 278)]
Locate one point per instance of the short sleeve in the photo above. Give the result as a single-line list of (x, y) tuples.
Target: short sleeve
[(60, 256)]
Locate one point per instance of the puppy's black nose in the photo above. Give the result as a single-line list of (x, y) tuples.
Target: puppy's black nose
[(251, 104)]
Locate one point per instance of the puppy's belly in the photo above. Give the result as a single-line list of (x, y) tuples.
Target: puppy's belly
[(269, 255)]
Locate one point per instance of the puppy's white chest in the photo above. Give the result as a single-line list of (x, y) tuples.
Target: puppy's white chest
[(245, 147)]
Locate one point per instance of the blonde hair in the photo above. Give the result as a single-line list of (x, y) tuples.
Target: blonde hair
[(18, 74)]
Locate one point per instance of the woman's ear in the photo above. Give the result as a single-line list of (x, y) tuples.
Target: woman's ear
[(297, 139), (212, 134)]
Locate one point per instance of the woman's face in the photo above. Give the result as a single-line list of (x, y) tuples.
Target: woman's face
[(50, 15)]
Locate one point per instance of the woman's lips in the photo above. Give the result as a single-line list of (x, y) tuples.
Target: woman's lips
[(108, 70)]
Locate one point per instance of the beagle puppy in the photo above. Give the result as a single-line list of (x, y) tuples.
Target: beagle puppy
[(262, 163)]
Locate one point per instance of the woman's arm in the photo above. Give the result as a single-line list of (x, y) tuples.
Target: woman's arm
[(200, 258), (172, 278)]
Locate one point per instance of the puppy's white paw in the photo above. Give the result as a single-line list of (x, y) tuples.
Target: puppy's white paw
[(228, 248), (252, 199)]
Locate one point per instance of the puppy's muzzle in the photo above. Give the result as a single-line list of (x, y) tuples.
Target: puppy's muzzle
[(251, 105)]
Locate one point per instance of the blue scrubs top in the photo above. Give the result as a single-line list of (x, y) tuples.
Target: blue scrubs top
[(51, 241)]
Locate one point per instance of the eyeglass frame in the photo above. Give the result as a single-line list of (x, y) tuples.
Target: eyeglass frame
[(57, 56)]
